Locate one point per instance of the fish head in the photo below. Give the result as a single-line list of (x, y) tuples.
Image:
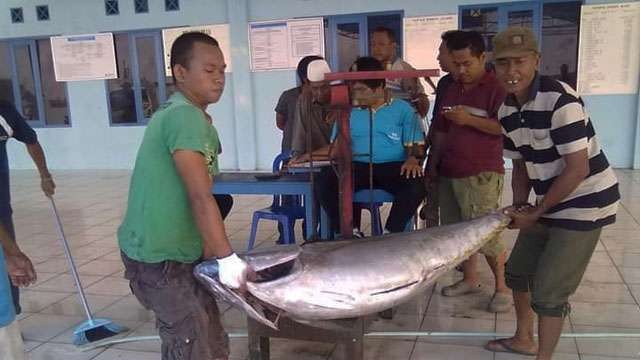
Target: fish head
[(267, 264)]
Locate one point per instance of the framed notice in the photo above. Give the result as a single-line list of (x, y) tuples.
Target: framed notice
[(269, 45), (306, 37), (279, 45), (609, 54), (422, 39), (84, 57), (220, 32)]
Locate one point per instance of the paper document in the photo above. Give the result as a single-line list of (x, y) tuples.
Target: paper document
[(307, 164)]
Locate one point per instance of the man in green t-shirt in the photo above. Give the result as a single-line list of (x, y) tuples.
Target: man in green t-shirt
[(172, 221)]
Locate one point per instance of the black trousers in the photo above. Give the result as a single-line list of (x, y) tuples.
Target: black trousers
[(407, 193), (225, 203)]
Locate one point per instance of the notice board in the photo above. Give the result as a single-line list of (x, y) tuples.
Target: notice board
[(84, 57), (422, 39), (609, 55), (280, 44)]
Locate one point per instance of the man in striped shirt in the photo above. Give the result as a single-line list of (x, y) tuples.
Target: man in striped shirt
[(551, 140)]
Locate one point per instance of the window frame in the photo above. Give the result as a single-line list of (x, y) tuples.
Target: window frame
[(362, 19), (137, 6), (41, 121), (17, 15), (537, 6), (132, 57), (111, 7), (504, 8), (42, 13), (171, 5)]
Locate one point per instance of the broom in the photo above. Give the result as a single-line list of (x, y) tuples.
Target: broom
[(93, 329)]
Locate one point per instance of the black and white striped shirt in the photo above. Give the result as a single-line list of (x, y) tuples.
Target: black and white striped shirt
[(553, 123)]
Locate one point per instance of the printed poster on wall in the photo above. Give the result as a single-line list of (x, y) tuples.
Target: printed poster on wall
[(306, 37), (220, 32), (422, 39), (269, 45), (609, 55), (84, 57), (279, 45)]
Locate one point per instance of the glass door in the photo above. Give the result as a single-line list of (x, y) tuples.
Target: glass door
[(348, 41)]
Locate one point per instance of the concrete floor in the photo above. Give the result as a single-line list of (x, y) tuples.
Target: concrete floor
[(92, 204)]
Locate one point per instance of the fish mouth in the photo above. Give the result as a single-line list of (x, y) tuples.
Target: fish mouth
[(269, 267)]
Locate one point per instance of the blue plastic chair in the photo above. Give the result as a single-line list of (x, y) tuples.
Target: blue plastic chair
[(285, 214), (379, 197)]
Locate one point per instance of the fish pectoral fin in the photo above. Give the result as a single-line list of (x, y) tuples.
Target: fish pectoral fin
[(394, 289)]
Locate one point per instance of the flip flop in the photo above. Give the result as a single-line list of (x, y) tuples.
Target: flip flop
[(501, 345)]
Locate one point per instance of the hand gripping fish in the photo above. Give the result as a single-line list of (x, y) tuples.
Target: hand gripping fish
[(344, 279)]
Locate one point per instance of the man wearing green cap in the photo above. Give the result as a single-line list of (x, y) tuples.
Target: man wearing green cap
[(554, 148)]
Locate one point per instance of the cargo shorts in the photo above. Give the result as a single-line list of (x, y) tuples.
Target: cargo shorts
[(187, 316), (466, 198), (549, 262)]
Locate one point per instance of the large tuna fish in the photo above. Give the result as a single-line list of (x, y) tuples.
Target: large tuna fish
[(344, 279)]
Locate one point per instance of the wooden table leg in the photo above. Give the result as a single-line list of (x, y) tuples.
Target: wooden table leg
[(350, 339)]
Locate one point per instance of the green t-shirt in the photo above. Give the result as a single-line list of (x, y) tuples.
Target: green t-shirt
[(159, 224)]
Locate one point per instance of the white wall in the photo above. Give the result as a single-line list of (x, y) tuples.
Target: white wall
[(244, 116)]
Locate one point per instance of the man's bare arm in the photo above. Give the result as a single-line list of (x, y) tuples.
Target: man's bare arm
[(435, 153), (37, 155), (281, 121), (192, 168), (575, 171), (20, 269), (520, 184)]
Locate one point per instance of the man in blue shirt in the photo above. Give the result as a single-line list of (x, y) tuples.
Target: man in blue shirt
[(13, 125), (19, 269), (397, 139)]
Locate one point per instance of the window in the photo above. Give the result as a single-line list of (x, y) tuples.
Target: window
[(111, 7), (560, 30), (349, 36), (482, 20), (6, 76), (141, 84), (172, 5), (42, 12), (141, 6), (556, 24), (16, 15), (29, 82)]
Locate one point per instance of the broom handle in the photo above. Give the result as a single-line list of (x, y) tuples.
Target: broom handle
[(72, 264)]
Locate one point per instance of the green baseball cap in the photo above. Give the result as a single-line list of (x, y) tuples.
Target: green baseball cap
[(514, 41)]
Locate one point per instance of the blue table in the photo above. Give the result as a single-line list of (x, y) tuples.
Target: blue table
[(246, 183)]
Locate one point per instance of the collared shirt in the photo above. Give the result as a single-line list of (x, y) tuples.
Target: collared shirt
[(553, 123), (12, 125), (312, 126), (287, 107), (468, 151), (405, 89), (395, 126)]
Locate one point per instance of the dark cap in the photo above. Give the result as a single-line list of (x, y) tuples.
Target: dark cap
[(515, 41)]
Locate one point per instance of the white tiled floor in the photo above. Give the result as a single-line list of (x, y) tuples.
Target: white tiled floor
[(92, 203)]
